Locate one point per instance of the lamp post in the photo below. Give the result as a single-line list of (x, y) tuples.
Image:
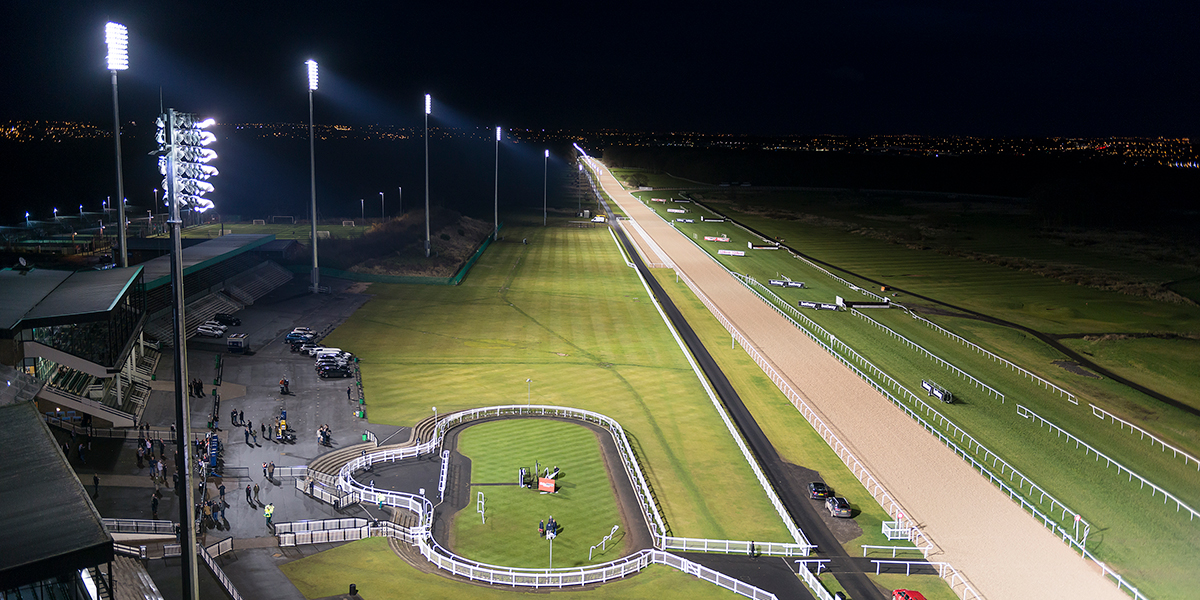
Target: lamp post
[(116, 36), (55, 213), (362, 207), (528, 392), (312, 161), (27, 218), (496, 230), (428, 107), (545, 162), (382, 212), (400, 193), (81, 210), (182, 161)]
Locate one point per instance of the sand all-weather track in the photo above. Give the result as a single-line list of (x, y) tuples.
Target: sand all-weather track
[(1001, 549)]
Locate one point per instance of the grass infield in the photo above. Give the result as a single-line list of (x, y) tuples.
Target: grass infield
[(585, 505), (379, 573)]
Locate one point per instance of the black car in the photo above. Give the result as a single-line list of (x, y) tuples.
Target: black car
[(819, 491), (333, 372), (227, 319)]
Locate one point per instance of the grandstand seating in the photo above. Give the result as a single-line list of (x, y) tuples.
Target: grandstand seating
[(197, 312), (257, 282)]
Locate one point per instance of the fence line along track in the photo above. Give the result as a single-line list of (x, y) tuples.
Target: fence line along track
[(935, 358), (889, 504), (1060, 432), (1100, 413)]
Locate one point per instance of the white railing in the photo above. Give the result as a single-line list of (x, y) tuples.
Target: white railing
[(220, 548), (974, 446), (711, 576), (893, 549), (442, 477), (212, 564), (1011, 365), (301, 472), (812, 582), (139, 526), (930, 355), (734, 546), (1100, 413), (1108, 461)]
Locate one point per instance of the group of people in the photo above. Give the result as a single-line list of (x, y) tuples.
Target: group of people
[(324, 434), (195, 388), (548, 527)]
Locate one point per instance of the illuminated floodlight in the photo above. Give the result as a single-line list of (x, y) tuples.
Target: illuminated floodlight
[(312, 74), (183, 159), (428, 104), (117, 38), (547, 154), (497, 133)]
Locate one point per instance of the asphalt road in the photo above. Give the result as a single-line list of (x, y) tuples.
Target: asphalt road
[(792, 492)]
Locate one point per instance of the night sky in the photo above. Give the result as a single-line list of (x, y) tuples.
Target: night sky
[(1093, 68)]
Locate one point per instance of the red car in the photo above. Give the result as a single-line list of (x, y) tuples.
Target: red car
[(907, 595)]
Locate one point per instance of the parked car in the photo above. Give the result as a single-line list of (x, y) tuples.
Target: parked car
[(315, 350), (818, 490), (215, 325), (907, 595), (306, 346), (207, 331), (303, 330), (227, 319), (838, 507), (296, 336), (334, 372)]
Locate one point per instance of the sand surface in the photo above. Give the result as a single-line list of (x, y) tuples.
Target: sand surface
[(1001, 550)]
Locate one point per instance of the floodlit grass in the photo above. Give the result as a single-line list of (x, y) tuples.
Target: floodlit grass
[(567, 313), (379, 573), (282, 231), (658, 180), (930, 586), (584, 506), (1144, 538)]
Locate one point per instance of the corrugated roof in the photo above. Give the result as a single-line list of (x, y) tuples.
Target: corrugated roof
[(158, 270), (50, 525), (21, 291), (85, 292)]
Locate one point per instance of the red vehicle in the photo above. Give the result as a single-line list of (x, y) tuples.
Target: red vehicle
[(907, 595)]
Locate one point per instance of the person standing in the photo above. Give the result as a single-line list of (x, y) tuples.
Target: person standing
[(269, 512), (247, 433), (242, 417), (249, 498), (348, 392), (221, 491), (81, 458), (265, 471), (95, 486), (154, 506), (256, 493), (271, 471)]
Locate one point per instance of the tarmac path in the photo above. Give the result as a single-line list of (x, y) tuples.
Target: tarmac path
[(1002, 550)]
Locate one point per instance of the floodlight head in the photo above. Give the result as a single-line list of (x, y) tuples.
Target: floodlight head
[(497, 133), (117, 38), (312, 74), (547, 153), (428, 104)]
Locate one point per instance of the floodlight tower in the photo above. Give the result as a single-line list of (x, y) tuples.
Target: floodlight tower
[(116, 36), (545, 163), (382, 212), (496, 231), (182, 160), (312, 162), (428, 108)]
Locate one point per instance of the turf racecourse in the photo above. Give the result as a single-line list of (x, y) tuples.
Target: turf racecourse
[(584, 505), (566, 313)]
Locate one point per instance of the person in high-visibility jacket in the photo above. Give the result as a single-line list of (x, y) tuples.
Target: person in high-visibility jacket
[(270, 510)]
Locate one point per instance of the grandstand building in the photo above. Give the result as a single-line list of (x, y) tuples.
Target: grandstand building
[(87, 342)]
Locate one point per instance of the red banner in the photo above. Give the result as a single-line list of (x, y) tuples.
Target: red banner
[(545, 484)]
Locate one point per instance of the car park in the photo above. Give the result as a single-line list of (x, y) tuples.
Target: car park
[(817, 490), (838, 507), (227, 319), (207, 331)]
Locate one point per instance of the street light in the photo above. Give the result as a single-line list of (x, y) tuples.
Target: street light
[(116, 36), (428, 108), (496, 231), (312, 161), (27, 218), (528, 392), (182, 160), (81, 210), (55, 213), (362, 207), (545, 162), (400, 193), (382, 212)]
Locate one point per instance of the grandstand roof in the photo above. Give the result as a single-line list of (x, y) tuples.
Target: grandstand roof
[(43, 538), (43, 297), (203, 255)]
